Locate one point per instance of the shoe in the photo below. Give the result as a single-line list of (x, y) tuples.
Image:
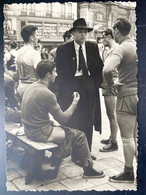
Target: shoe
[(109, 147), (124, 177), (93, 157), (92, 173), (106, 141)]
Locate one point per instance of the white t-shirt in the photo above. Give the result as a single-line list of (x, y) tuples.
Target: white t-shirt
[(31, 57)]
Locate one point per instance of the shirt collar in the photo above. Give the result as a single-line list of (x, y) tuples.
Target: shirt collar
[(77, 46)]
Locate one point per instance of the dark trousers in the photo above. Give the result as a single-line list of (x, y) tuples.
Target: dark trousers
[(83, 117), (75, 141)]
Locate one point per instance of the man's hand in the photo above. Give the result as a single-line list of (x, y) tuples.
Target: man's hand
[(117, 83), (76, 97)]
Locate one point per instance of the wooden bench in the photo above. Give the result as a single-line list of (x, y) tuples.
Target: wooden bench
[(34, 149)]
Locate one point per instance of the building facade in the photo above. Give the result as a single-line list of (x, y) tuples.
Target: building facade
[(101, 15), (53, 19)]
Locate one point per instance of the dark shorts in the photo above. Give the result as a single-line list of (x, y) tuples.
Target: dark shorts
[(107, 91), (127, 104)]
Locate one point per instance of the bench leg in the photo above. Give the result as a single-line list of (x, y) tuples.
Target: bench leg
[(55, 161), (34, 167)]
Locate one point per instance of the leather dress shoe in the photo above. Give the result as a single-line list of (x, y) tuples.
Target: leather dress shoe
[(93, 157)]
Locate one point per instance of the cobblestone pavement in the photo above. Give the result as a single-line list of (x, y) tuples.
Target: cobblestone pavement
[(70, 176)]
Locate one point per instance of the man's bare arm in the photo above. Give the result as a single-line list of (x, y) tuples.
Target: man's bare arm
[(110, 65)]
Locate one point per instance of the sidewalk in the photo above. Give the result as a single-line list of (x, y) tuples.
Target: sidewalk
[(70, 176)]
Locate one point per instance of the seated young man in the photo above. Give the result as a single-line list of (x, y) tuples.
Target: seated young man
[(37, 103)]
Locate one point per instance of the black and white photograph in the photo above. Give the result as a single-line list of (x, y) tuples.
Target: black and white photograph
[(71, 96)]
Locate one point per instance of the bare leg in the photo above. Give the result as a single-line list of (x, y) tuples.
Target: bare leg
[(110, 104), (127, 127), (57, 136)]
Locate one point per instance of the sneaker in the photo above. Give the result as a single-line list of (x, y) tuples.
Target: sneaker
[(106, 141), (124, 177), (92, 173), (109, 147)]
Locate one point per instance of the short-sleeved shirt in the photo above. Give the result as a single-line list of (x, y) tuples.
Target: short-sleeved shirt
[(110, 91), (38, 101), (27, 61), (127, 68), (31, 57)]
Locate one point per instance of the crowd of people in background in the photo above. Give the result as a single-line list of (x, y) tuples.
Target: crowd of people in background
[(65, 83)]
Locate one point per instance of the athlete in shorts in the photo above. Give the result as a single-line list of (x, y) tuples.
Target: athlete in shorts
[(124, 58), (110, 96)]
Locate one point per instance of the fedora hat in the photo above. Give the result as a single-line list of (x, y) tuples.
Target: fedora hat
[(80, 23)]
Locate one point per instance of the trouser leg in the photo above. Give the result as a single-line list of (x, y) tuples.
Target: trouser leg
[(74, 141), (80, 147)]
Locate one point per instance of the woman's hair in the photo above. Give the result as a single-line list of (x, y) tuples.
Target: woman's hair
[(123, 25), (43, 67), (27, 31)]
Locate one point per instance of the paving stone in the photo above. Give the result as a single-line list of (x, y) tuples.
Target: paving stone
[(119, 151), (104, 187), (99, 181), (20, 183), (54, 186), (21, 171), (105, 154), (98, 166), (11, 187), (11, 164), (124, 186), (67, 162), (109, 162), (72, 171), (12, 174), (119, 157), (113, 171), (60, 177), (77, 183)]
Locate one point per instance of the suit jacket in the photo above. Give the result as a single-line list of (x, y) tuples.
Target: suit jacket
[(66, 64)]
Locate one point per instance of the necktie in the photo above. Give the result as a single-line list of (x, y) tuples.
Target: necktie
[(82, 63)]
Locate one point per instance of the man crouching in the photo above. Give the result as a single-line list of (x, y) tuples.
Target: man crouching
[(37, 103)]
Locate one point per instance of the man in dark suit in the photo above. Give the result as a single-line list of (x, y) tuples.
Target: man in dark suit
[(79, 68)]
